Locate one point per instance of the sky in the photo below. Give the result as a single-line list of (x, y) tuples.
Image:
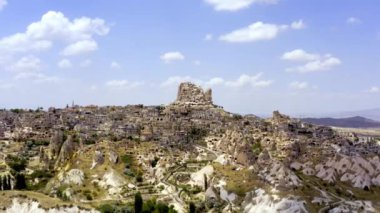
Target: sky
[(296, 56)]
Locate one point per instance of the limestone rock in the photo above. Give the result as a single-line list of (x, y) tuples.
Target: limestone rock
[(67, 151), (98, 159), (191, 94), (113, 157), (56, 142), (280, 118), (74, 176)]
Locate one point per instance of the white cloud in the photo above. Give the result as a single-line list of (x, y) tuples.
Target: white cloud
[(208, 37), (235, 5), (80, 47), (123, 84), (374, 89), (22, 43), (175, 80), (115, 65), (214, 82), (197, 62), (324, 64), (254, 81), (315, 62), (65, 64), (259, 31), (3, 3), (353, 20), (86, 63), (36, 77), (53, 26), (299, 55), (29, 68), (172, 56), (298, 85), (298, 25), (243, 80), (27, 64)]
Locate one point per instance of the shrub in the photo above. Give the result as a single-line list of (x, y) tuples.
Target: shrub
[(106, 208), (16, 163), (138, 203)]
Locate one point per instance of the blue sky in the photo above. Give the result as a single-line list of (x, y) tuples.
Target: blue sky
[(258, 55)]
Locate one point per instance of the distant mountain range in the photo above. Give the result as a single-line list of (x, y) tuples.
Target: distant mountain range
[(350, 122), (373, 114)]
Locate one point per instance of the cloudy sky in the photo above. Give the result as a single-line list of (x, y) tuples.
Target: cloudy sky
[(258, 55)]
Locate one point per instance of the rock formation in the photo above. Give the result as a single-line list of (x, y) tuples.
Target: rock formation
[(56, 142), (191, 94), (67, 150)]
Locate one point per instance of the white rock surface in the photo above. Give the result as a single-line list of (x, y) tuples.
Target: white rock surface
[(74, 176), (258, 201), (33, 207), (277, 174), (113, 182), (222, 159), (197, 178), (360, 172), (353, 206)]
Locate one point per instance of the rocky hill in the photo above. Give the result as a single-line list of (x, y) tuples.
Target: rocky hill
[(189, 153)]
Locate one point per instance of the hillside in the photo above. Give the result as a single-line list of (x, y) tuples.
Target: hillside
[(351, 122), (191, 154), (373, 114)]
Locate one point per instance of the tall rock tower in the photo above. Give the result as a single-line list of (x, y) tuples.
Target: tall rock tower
[(191, 94)]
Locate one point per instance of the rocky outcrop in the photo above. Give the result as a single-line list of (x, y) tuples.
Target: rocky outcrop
[(29, 206), (98, 159), (55, 145), (191, 94), (280, 118), (67, 151), (260, 201), (74, 176), (113, 157)]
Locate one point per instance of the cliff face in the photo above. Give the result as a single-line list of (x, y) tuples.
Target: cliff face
[(191, 94)]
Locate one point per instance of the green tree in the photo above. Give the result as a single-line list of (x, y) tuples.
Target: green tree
[(205, 181), (138, 203), (16, 163), (20, 182), (192, 207)]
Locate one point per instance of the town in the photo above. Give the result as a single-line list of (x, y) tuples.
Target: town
[(191, 154)]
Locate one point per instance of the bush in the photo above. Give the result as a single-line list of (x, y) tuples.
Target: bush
[(192, 208), (139, 178), (138, 203), (20, 182), (257, 148), (16, 163), (127, 159), (237, 117), (154, 162), (106, 208), (89, 197), (195, 134)]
